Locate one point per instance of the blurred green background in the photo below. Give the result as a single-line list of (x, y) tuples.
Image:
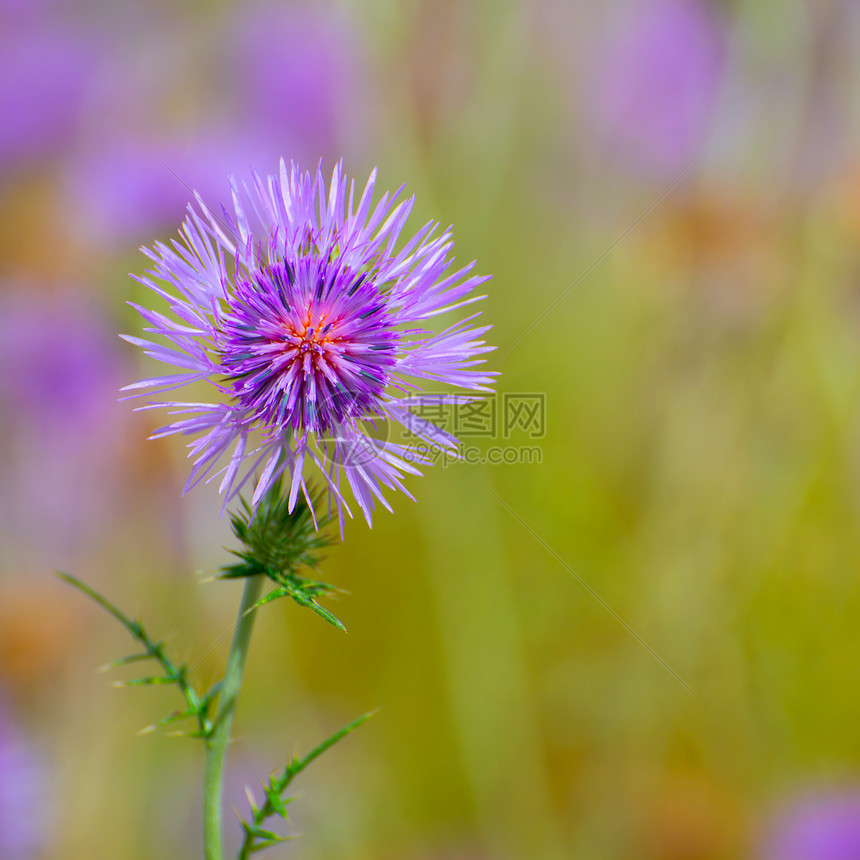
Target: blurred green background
[(638, 647)]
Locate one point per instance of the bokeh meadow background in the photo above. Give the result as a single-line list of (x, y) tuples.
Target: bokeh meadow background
[(643, 643)]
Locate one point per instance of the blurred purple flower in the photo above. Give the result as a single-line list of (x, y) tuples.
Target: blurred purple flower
[(53, 385), (129, 188), (292, 75), (23, 9), (299, 71), (42, 89), (125, 190), (657, 83), (22, 796), (60, 423), (823, 826)]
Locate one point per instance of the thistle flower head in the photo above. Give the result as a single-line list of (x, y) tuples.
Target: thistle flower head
[(310, 318), (309, 345)]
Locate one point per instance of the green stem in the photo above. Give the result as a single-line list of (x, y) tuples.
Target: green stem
[(216, 745)]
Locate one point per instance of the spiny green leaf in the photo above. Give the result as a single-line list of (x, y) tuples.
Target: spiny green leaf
[(260, 846), (255, 838), (304, 593), (238, 571), (255, 810), (173, 674), (212, 692), (274, 594), (144, 682), (278, 803), (170, 718), (124, 661), (259, 833), (299, 765), (324, 613), (130, 625)]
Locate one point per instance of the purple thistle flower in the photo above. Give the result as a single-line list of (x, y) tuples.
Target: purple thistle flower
[(298, 307)]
